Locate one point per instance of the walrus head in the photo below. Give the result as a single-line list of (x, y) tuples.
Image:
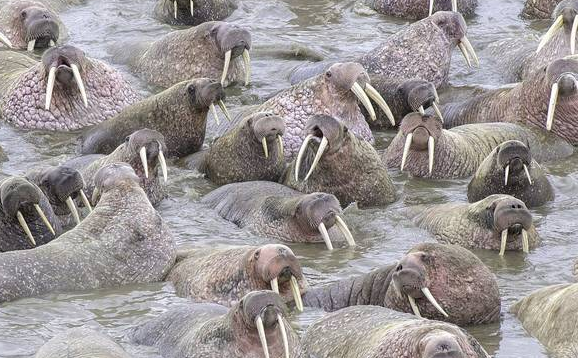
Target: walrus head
[(231, 42), (421, 134), (203, 93), (19, 201), (268, 130), (111, 176), (561, 76), (420, 95), (34, 26), (565, 17), (145, 149), (454, 27), (514, 158)]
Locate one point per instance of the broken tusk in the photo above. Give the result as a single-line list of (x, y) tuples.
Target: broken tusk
[(421, 110), (325, 235), (144, 161), (44, 218), (31, 45), (95, 196)]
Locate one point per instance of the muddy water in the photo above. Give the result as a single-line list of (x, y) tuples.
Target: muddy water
[(337, 29)]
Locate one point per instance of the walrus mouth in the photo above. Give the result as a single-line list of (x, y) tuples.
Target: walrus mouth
[(454, 6), (515, 228), (567, 77), (176, 8), (246, 61), (161, 160), (512, 219), (263, 337), (430, 149), (294, 290), (5, 40), (224, 109), (342, 226), (365, 93), (434, 104), (63, 64), (41, 41), (427, 294), (507, 173)]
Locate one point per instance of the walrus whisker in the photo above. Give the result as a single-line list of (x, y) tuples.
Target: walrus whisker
[(342, 226), (504, 242), (44, 218), (528, 174), (552, 106), (573, 35), (192, 8), (275, 285), (144, 162), (421, 110), (406, 147), (50, 87), (320, 151), (438, 112), (414, 306), (296, 293), (31, 45), (85, 200), (4, 39), (25, 227), (374, 95), (558, 23), (73, 210), (300, 155), (163, 163), (80, 83), (224, 110), (226, 67), (247, 62), (431, 152), (283, 332), (262, 337), (506, 175), (427, 293), (360, 94), (214, 112), (325, 235), (280, 145), (175, 8), (525, 242), (265, 149)]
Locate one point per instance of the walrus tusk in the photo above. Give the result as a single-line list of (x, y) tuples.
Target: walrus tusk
[(433, 301), (455, 5), (413, 305), (25, 227), (44, 218), (163, 164), (31, 45), (525, 242), (557, 25), (224, 110), (504, 242), (73, 210), (192, 8), (320, 151), (300, 155), (50, 87), (375, 96), (283, 335), (408, 140), (78, 79), (175, 8), (52, 43), (528, 174), (95, 196), (421, 110), (342, 226), (85, 200), (431, 5), (431, 152), (262, 337), (362, 96), (247, 62), (226, 67), (506, 175), (275, 285), (467, 49), (573, 35), (552, 106), (4, 39), (438, 112), (280, 145), (296, 293), (214, 112), (325, 235), (144, 161), (265, 149)]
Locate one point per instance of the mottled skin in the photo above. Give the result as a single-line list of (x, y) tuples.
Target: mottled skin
[(204, 10), (23, 90), (549, 314), (464, 287), (224, 276), (80, 343), (276, 211), (209, 330), (419, 9), (350, 168), (490, 176), (385, 334), (123, 241), (539, 9), (178, 113), (194, 53), (478, 225), (460, 151), (18, 194)]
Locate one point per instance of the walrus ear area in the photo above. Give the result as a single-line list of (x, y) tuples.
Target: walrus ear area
[(23, 15), (192, 91)]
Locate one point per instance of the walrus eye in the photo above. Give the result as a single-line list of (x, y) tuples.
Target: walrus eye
[(127, 138), (191, 90), (328, 74), (399, 268), (23, 15), (256, 255)]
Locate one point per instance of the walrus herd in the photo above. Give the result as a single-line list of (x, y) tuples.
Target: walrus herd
[(286, 169)]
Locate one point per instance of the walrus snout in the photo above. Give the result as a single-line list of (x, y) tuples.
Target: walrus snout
[(568, 9), (149, 145), (60, 183), (442, 345), (454, 27), (18, 195), (232, 38), (512, 219), (268, 126), (206, 92), (41, 29), (410, 276), (263, 304)]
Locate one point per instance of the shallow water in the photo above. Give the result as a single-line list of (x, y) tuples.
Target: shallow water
[(338, 29)]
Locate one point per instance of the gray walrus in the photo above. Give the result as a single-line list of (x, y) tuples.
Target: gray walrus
[(123, 241), (539, 9), (253, 328), (276, 211), (65, 91), (193, 12), (178, 113), (372, 332), (334, 161), (79, 343), (419, 9), (498, 222), (509, 169), (435, 281)]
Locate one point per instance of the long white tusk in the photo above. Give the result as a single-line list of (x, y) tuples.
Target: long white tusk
[(80, 84), (265, 149), (192, 8), (262, 337), (465, 54), (362, 96), (406, 150), (506, 175), (300, 155), (455, 5), (214, 112), (558, 23), (175, 8), (25, 227), (431, 147), (433, 301), (44, 218), (85, 200), (226, 67), (552, 106), (4, 39), (573, 35), (528, 174), (504, 242), (467, 50), (377, 98), (436, 96), (525, 242), (342, 226), (325, 235), (144, 161), (421, 110), (163, 164), (438, 112), (31, 45), (50, 87), (247, 62), (95, 194), (413, 305), (275, 285), (296, 293), (320, 151), (73, 210), (283, 335), (431, 5), (280, 145), (224, 110)]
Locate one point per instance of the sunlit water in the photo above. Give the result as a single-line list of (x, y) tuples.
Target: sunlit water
[(339, 30)]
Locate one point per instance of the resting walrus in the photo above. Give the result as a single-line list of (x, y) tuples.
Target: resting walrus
[(276, 211), (419, 9), (123, 241), (65, 91), (79, 343), (253, 328), (539, 9), (193, 12)]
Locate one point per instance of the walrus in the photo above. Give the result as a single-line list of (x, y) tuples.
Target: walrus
[(178, 113), (26, 217), (498, 222), (377, 332), (419, 9), (333, 160), (81, 342), (549, 314), (193, 12), (509, 169), (434, 281), (65, 91), (123, 241), (276, 211), (539, 9), (423, 148), (224, 276), (253, 328), (214, 49)]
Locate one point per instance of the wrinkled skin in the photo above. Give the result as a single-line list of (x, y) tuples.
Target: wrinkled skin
[(123, 241), (276, 211), (539, 9), (549, 315), (18, 194), (350, 168), (194, 53), (79, 343), (490, 176), (385, 334), (23, 85), (204, 10), (224, 276), (179, 114), (460, 151), (478, 225), (419, 9), (209, 330)]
